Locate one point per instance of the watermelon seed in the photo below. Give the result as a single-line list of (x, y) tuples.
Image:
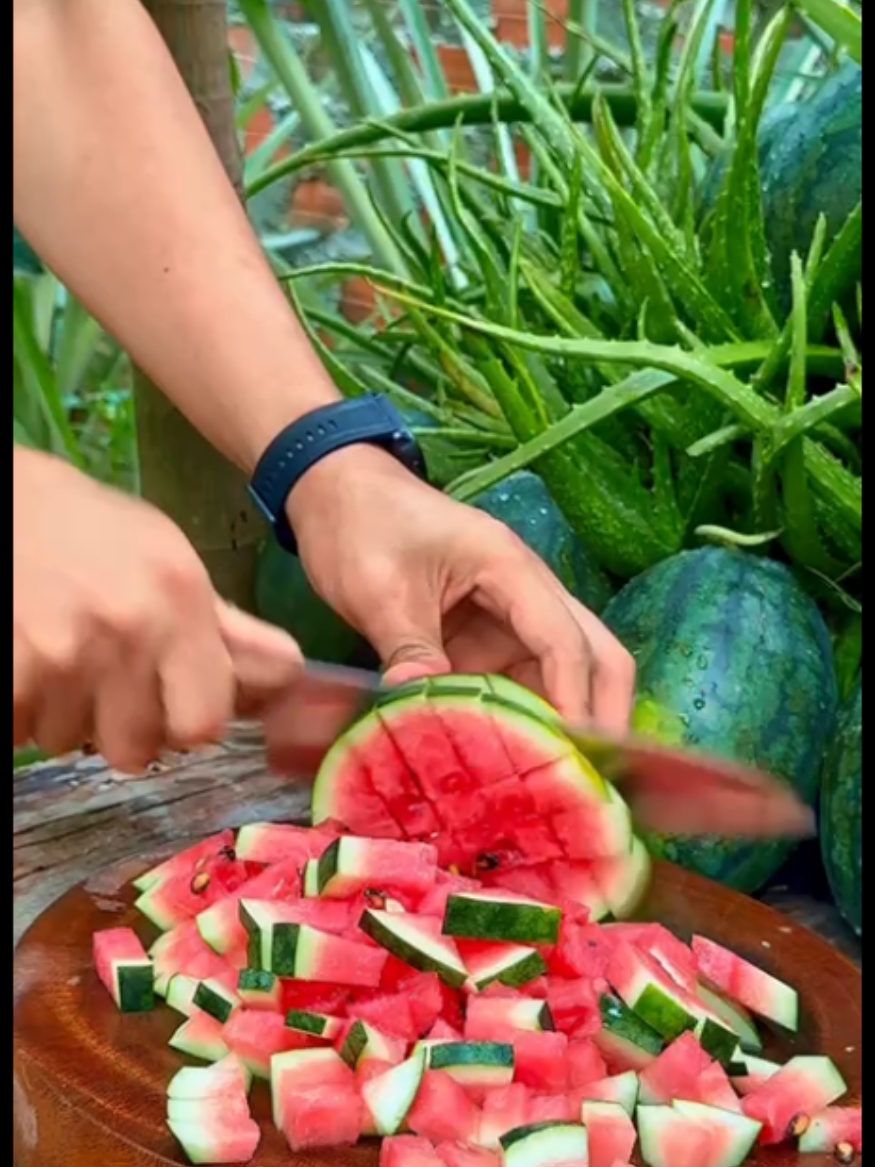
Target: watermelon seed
[(798, 1126), (845, 1154), (376, 899), (488, 863), (229, 853), (200, 883)]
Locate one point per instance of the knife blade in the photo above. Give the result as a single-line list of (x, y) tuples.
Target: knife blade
[(669, 789)]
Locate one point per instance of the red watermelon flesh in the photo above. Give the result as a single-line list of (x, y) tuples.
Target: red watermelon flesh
[(574, 1005), (747, 984), (585, 1063), (715, 1089), (425, 999), (187, 861), (384, 771), (675, 1073), (804, 1086), (442, 1031), (314, 997), (482, 755), (392, 1015), (461, 1155), (611, 1133), (110, 946), (181, 897), (552, 1108), (280, 843), (443, 1111), (422, 741), (326, 1116), (504, 1110), (541, 1061), (676, 958), (221, 921), (434, 900), (409, 1151), (227, 1141), (255, 1036)]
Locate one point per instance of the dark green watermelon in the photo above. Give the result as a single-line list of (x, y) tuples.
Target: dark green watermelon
[(524, 504), (841, 812), (285, 597), (812, 164), (739, 658)]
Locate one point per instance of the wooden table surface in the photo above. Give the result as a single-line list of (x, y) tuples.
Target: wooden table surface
[(74, 816)]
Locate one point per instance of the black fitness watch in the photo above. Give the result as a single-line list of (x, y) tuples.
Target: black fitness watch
[(370, 419)]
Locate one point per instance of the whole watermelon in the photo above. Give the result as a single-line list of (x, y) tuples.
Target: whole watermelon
[(739, 659), (811, 163), (284, 596), (523, 503), (841, 812)]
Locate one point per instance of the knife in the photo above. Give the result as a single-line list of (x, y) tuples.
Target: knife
[(668, 789)]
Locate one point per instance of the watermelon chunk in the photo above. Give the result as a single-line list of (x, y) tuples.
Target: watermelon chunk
[(350, 866), (675, 1073), (256, 1036), (268, 843), (202, 1037), (837, 1128), (124, 969), (620, 1088), (322, 1117), (220, 924), (187, 862), (611, 1133), (585, 1063), (500, 1018), (171, 901), (443, 1111), (280, 944), (752, 987), (409, 1151), (804, 1087), (671, 1139), (503, 1110), (462, 1155), (732, 1136), (541, 1061), (226, 1078), (217, 1141)]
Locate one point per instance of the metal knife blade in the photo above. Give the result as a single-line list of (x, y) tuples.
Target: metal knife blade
[(670, 790)]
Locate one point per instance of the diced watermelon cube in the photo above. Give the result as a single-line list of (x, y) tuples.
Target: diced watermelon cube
[(255, 1036), (504, 1110), (443, 1111), (552, 1108), (611, 1133), (574, 1005), (409, 1151), (390, 1014), (541, 1061), (675, 1073), (676, 958), (585, 1063), (323, 1117), (462, 1155), (804, 1086), (314, 997), (422, 992)]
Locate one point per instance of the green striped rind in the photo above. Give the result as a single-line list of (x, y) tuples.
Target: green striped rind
[(523, 503), (255, 986), (328, 866), (519, 971), (453, 1054), (216, 1000), (134, 986), (739, 657), (315, 1024), (393, 933), (188, 1040), (475, 916), (738, 1020), (389, 1097), (841, 813), (357, 1042), (543, 1143), (273, 947), (622, 1022)]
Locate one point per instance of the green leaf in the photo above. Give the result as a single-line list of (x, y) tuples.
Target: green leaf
[(838, 21)]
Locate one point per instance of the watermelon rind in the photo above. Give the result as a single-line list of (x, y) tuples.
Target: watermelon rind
[(832, 1127), (755, 988), (204, 1144), (402, 936), (620, 1088), (737, 1133), (735, 1016), (624, 1037), (202, 1081), (756, 1070), (364, 1043), (313, 1024), (134, 987), (479, 1064), (200, 1040), (512, 965), (624, 881), (390, 1097), (482, 916), (543, 1144), (259, 989), (216, 1000)]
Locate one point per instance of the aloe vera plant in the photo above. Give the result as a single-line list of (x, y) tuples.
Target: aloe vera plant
[(608, 333)]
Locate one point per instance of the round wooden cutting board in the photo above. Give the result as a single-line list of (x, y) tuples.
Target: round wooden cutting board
[(89, 1084)]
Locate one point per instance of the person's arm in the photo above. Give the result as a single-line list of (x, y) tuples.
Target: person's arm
[(117, 186)]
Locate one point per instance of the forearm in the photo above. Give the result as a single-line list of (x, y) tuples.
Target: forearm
[(117, 185)]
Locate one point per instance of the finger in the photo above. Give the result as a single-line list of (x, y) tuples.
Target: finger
[(197, 682), (24, 688), (614, 673), (530, 602), (128, 714), (406, 631), (64, 720), (266, 660)]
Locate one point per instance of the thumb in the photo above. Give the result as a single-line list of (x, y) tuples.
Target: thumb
[(266, 660), (410, 646)]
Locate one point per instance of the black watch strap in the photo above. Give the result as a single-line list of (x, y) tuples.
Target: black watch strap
[(370, 419)]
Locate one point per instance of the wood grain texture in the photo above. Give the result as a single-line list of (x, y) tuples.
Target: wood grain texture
[(89, 1083)]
